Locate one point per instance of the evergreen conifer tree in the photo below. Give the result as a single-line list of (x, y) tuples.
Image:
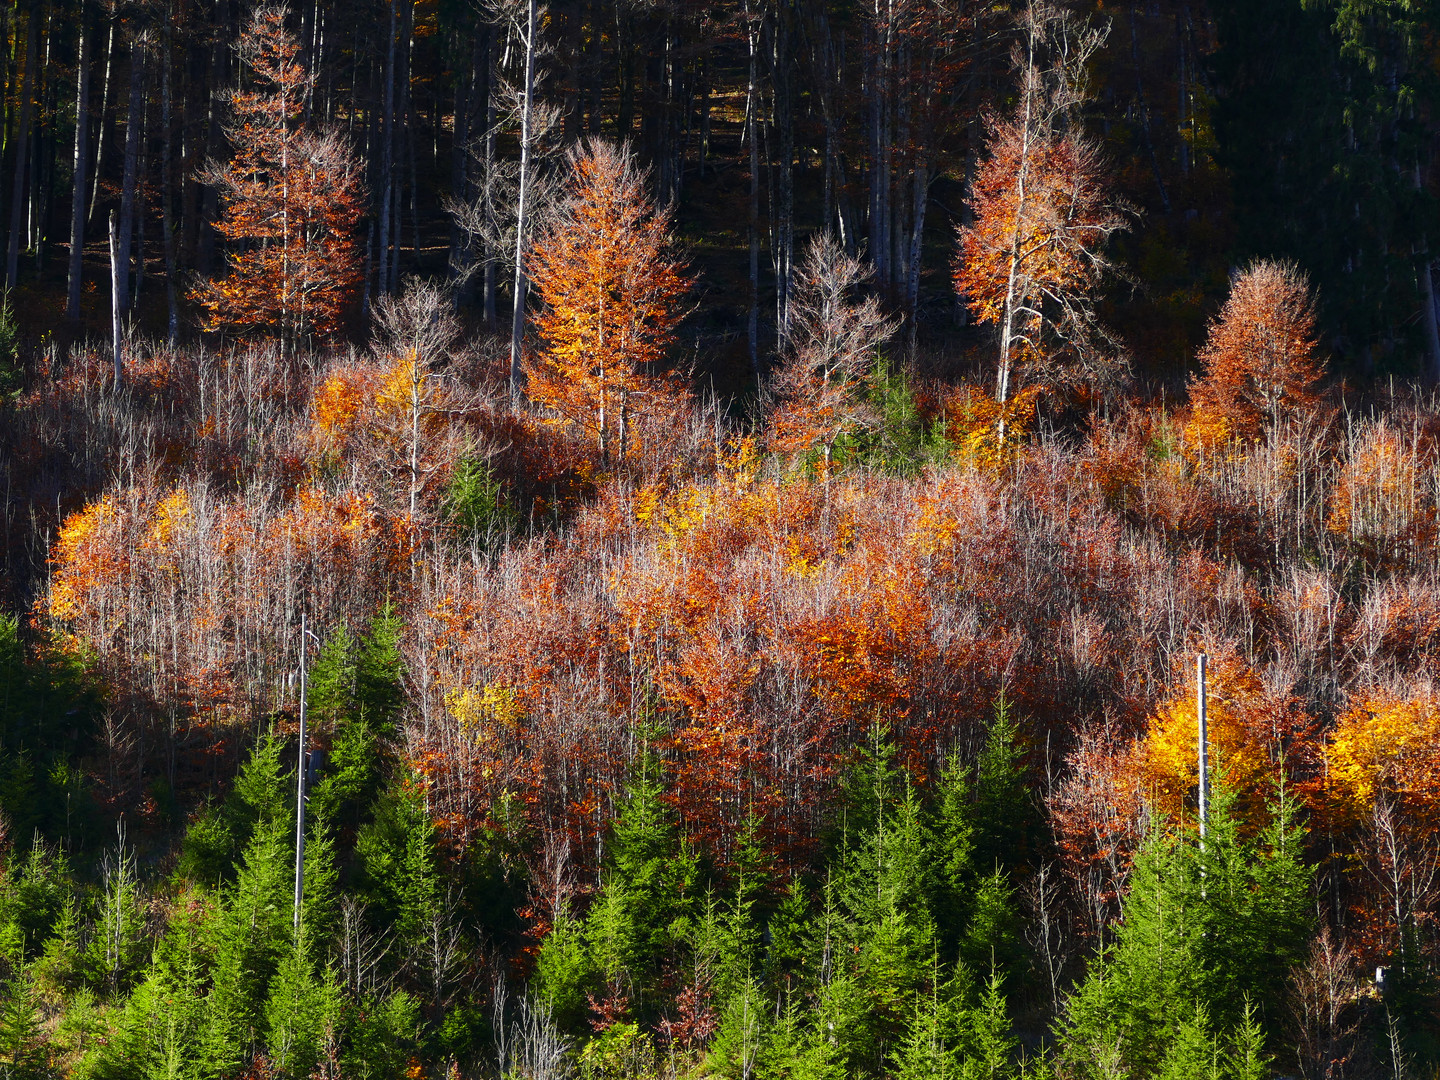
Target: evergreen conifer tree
[(1214, 929), (252, 935), (988, 1050), (1004, 815), (380, 672), (330, 690), (21, 1044), (1191, 1052), (382, 1038), (300, 1008), (952, 852)]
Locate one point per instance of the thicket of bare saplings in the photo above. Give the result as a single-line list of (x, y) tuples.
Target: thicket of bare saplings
[(443, 701), (730, 624)]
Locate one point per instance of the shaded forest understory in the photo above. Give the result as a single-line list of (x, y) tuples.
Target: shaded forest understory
[(734, 496)]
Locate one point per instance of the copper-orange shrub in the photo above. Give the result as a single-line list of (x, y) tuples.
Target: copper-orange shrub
[(612, 290), (1259, 363)]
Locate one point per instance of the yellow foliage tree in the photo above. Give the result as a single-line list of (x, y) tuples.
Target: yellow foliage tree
[(1384, 743), (1250, 730)]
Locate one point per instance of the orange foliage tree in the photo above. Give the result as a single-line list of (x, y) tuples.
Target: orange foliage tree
[(611, 289), (292, 197), (1259, 362), (1032, 261), (1253, 733)]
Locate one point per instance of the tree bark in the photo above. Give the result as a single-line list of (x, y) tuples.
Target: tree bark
[(1145, 113), (104, 112), (752, 108), (77, 192), (465, 85), (130, 181), (489, 282), (117, 301), (22, 141), (43, 164), (1432, 332), (167, 225), (407, 127), (921, 200), (517, 321), (387, 157)]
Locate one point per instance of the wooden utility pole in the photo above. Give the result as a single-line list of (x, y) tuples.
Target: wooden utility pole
[(300, 786), (1203, 743)]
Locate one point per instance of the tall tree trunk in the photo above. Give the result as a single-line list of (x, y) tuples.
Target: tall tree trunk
[(460, 158), (1014, 257), (921, 202), (1427, 299), (134, 121), (167, 226), (1145, 112), (117, 298), (387, 157), (407, 127), (785, 216), (489, 282), (77, 190), (597, 66), (104, 111), (22, 140), (1432, 332), (43, 166), (517, 320), (752, 109), (1182, 17), (209, 199)]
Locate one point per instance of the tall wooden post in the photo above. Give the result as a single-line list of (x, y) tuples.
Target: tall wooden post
[(1203, 740), (300, 786)]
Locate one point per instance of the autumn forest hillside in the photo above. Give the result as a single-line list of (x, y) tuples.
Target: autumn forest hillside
[(665, 540)]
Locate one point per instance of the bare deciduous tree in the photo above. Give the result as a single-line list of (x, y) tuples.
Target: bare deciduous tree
[(1323, 998), (419, 328), (834, 340)]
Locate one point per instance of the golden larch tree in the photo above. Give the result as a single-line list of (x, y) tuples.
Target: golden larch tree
[(292, 196), (611, 288)]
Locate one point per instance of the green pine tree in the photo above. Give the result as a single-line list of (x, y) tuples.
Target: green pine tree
[(565, 972), (993, 938), (118, 945), (1004, 818), (380, 672), (988, 1049), (301, 1007), (330, 689), (1215, 927), (642, 913), (251, 936), (382, 1037), (22, 1048), (1191, 1053), (1246, 1058)]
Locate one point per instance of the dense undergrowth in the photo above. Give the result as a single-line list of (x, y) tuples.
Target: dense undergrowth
[(719, 761)]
